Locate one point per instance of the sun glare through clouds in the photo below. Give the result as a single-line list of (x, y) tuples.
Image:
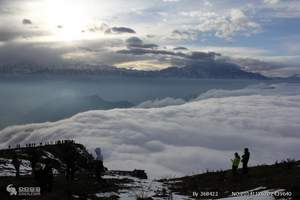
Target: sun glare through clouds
[(67, 20)]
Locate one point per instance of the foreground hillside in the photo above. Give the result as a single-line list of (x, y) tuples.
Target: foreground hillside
[(283, 176), (126, 185), (85, 185)]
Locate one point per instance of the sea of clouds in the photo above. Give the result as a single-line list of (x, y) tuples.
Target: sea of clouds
[(175, 137)]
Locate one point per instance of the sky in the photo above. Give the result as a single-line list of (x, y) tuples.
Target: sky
[(260, 35)]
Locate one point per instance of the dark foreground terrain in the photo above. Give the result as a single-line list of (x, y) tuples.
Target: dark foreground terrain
[(84, 185), (284, 175)]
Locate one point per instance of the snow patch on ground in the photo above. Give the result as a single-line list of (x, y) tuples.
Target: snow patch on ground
[(140, 188), (154, 188), (8, 169)]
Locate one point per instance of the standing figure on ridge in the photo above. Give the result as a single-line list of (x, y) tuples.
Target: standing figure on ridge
[(16, 162), (245, 160), (235, 163), (99, 167), (70, 159), (48, 175)]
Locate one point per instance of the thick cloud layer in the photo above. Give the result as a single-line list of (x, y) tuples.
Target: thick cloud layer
[(261, 89), (158, 103), (194, 55), (181, 139), (135, 42), (26, 21), (275, 69), (119, 30)]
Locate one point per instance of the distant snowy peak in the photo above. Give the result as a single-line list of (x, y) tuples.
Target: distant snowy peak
[(216, 69)]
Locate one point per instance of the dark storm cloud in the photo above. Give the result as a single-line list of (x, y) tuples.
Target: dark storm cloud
[(193, 55), (180, 48), (135, 42), (88, 49), (145, 46), (141, 51), (202, 55), (119, 30), (26, 22)]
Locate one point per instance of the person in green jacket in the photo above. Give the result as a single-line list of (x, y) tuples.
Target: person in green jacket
[(235, 163)]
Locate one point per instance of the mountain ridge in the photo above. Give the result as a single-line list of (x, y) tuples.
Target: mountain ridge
[(214, 70)]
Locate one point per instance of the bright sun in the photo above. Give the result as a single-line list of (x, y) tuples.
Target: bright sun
[(67, 19)]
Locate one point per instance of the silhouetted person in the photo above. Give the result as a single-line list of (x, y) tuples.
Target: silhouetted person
[(99, 170), (34, 158), (235, 163), (70, 157), (245, 160), (170, 196), (48, 176), (16, 162), (99, 167), (70, 171), (164, 192), (39, 175), (99, 154)]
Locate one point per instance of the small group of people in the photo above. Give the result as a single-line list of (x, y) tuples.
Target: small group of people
[(237, 159), (18, 146), (65, 142), (42, 167), (58, 142), (30, 145), (42, 170)]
